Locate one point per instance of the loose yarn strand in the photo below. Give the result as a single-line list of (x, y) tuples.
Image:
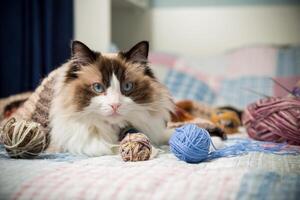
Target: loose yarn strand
[(192, 144)]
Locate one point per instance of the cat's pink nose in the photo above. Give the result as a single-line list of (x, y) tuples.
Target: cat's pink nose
[(115, 106)]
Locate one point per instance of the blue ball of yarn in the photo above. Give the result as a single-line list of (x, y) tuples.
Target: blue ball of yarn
[(190, 143)]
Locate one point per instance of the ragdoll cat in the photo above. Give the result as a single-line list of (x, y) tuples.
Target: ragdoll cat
[(86, 103), (96, 95)]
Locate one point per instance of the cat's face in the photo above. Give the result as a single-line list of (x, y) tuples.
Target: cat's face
[(112, 86)]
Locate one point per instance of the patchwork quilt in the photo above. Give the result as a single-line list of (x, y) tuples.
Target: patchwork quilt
[(254, 175), (220, 80)]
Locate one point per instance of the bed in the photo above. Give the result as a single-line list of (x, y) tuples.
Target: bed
[(253, 175)]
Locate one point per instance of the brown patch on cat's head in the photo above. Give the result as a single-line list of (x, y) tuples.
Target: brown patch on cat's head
[(87, 67)]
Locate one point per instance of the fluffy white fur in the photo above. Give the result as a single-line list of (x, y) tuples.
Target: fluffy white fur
[(95, 130)]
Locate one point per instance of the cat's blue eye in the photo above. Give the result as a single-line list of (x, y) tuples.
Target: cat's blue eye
[(127, 86), (98, 88)]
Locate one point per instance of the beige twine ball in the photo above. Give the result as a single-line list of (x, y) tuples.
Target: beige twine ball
[(23, 139), (135, 147)]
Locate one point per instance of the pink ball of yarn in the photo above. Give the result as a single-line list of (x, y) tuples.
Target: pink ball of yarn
[(274, 119)]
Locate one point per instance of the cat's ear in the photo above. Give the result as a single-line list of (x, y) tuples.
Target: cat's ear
[(138, 52), (82, 53)]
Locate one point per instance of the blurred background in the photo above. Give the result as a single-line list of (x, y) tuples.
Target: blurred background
[(214, 43)]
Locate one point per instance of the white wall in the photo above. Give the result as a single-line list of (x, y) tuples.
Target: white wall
[(200, 30), (206, 30), (93, 23), (130, 25)]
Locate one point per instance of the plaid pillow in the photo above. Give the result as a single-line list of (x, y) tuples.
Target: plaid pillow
[(241, 69), (236, 91), (185, 86)]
